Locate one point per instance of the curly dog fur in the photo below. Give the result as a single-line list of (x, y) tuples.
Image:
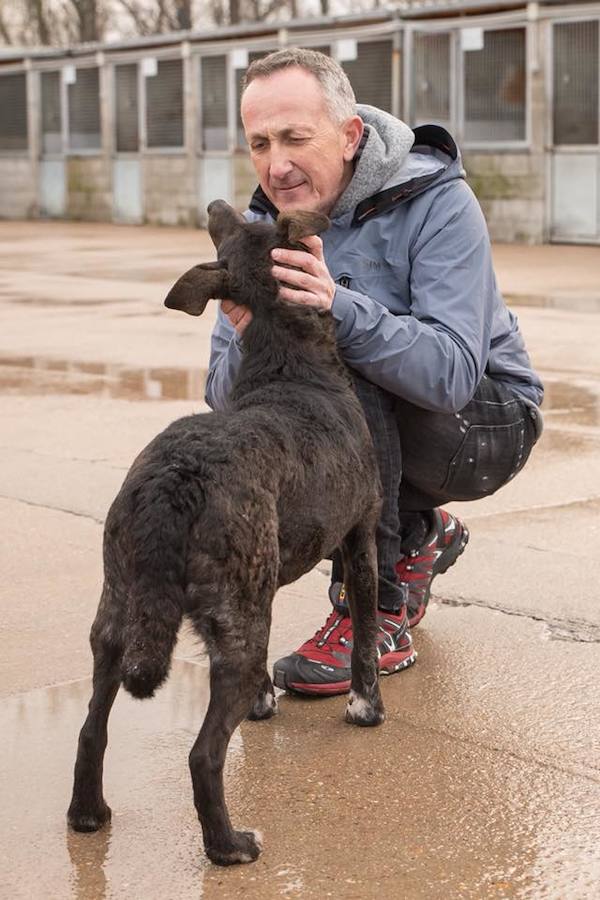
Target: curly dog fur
[(221, 509)]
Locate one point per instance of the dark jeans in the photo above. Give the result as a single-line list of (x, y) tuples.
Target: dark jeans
[(429, 458)]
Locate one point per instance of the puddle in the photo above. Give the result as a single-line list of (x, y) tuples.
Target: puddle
[(481, 822), (571, 403), (39, 375), (154, 826), (564, 402), (572, 304), (147, 274)]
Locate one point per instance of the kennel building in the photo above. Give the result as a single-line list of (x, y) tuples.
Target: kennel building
[(148, 130)]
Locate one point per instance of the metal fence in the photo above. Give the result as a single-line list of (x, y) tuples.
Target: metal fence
[(164, 104), (51, 113), (213, 102), (370, 73), (431, 83), (575, 82), (494, 88), (13, 112), (83, 101), (472, 80), (127, 119)]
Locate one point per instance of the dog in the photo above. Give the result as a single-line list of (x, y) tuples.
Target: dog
[(223, 508)]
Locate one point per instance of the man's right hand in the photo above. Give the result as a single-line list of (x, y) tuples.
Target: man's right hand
[(239, 316)]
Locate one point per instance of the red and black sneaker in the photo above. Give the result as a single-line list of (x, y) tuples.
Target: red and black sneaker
[(322, 665), (442, 547)]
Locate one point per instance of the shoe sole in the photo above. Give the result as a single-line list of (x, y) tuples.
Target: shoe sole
[(445, 562), (389, 663), (396, 662)]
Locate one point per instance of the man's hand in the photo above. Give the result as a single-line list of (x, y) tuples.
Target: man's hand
[(313, 285), (239, 316)]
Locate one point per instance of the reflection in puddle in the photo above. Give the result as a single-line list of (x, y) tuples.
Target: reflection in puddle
[(39, 375), (154, 831), (572, 304), (88, 859), (166, 274), (51, 301)]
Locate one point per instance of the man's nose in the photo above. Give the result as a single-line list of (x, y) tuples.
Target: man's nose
[(280, 164)]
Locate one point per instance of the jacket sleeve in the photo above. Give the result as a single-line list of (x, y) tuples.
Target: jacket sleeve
[(436, 356), (225, 360)]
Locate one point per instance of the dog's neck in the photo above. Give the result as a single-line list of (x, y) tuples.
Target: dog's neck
[(290, 343)]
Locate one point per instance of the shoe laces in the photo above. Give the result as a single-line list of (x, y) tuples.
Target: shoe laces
[(334, 631), (406, 568)]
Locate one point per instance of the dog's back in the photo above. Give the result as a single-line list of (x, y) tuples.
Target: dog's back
[(216, 499)]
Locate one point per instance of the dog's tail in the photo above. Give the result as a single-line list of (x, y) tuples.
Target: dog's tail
[(159, 534)]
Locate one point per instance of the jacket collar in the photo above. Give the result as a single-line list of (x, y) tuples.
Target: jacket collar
[(427, 138)]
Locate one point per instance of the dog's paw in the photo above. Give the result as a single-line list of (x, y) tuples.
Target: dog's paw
[(360, 711), (264, 707), (244, 848), (81, 819)]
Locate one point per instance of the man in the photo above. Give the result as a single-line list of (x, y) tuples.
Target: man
[(438, 361)]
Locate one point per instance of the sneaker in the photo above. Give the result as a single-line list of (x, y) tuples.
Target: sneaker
[(322, 665), (442, 547)]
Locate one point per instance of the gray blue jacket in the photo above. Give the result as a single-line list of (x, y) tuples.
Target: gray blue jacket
[(417, 307)]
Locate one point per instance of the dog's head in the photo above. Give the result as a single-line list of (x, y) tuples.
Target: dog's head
[(242, 271)]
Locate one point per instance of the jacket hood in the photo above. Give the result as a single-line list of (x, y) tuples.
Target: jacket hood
[(385, 145), (393, 163)]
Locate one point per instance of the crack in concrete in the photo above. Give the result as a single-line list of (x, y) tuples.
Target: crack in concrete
[(69, 512), (538, 507), (577, 631), (33, 452)]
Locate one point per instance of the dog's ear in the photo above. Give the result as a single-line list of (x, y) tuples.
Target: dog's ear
[(293, 226), (191, 292), (223, 220)]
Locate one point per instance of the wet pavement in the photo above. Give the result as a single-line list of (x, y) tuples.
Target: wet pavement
[(485, 779)]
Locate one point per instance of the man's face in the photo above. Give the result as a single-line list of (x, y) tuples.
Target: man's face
[(302, 158)]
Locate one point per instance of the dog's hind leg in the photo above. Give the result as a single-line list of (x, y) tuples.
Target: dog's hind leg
[(88, 810), (365, 706), (238, 656)]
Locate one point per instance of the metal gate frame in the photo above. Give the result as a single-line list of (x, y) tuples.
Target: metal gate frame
[(566, 150)]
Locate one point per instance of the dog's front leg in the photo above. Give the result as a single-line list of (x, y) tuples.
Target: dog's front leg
[(265, 704), (365, 706)]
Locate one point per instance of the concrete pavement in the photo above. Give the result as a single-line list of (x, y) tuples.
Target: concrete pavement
[(484, 780)]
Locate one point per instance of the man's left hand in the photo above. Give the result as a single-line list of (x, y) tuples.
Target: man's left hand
[(310, 281)]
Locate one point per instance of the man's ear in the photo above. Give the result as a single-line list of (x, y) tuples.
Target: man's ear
[(202, 283), (293, 226)]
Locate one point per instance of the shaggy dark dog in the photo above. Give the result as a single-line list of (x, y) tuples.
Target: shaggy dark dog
[(221, 509)]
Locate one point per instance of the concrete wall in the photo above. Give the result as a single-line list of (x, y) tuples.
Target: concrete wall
[(89, 188), (18, 188), (170, 190), (511, 190), (244, 180), (509, 186)]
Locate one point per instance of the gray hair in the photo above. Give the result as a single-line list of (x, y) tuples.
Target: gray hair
[(337, 90)]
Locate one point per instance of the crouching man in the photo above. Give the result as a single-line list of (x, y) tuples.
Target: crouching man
[(438, 361)]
